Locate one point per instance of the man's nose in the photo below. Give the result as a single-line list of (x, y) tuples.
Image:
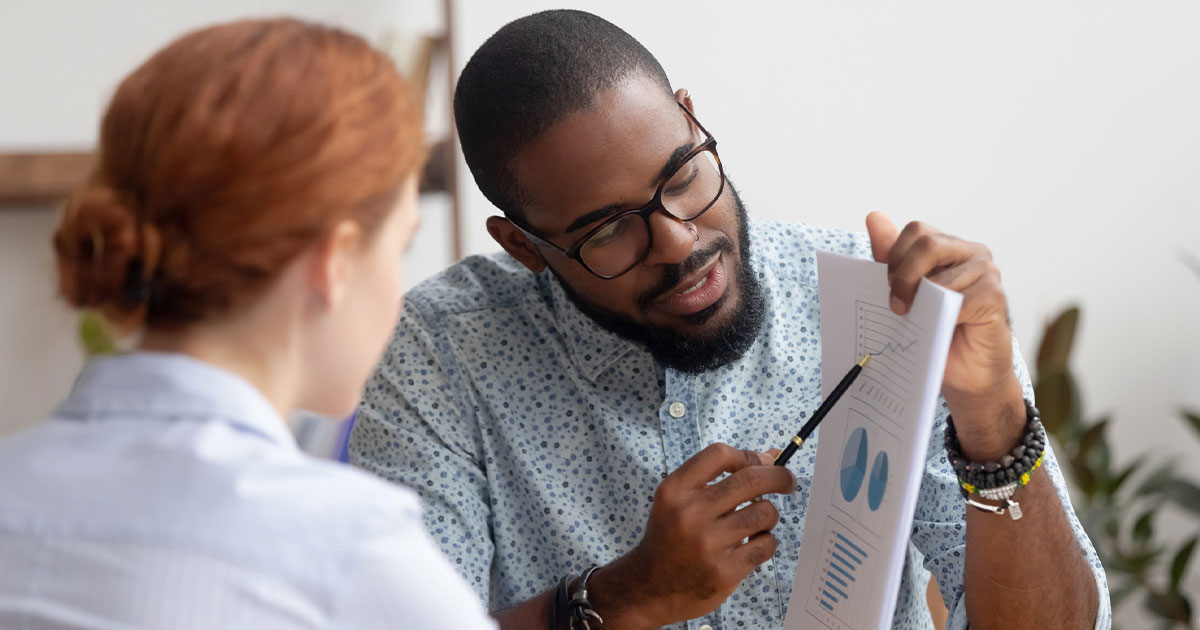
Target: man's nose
[(672, 240)]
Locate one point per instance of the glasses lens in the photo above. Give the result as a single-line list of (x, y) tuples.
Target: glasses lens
[(694, 187), (617, 246)]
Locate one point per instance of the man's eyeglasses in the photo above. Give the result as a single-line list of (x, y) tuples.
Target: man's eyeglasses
[(623, 240)]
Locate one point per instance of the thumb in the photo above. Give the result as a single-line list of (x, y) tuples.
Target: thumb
[(883, 235)]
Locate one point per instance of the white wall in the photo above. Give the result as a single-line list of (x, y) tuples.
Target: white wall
[(59, 63)]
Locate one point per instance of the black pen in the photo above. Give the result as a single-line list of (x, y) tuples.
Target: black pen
[(821, 412)]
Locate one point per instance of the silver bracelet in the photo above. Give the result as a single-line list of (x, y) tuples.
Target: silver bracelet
[(1012, 507)]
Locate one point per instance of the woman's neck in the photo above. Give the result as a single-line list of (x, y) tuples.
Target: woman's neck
[(257, 354)]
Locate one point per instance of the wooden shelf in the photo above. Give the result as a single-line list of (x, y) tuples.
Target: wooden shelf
[(45, 179), (40, 178)]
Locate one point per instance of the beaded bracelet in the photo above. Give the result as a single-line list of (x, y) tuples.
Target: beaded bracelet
[(999, 480)]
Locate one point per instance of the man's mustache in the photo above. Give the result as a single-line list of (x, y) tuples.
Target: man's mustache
[(674, 273)]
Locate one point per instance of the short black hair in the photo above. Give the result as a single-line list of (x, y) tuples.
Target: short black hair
[(529, 75)]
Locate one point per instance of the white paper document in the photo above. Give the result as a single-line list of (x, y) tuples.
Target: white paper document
[(871, 449)]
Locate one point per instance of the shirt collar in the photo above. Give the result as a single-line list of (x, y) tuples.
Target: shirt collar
[(170, 388), (593, 348)]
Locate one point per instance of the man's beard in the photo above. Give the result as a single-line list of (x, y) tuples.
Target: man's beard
[(685, 351)]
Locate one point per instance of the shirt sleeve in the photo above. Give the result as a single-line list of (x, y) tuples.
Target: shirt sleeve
[(413, 429), (939, 525), (399, 580)]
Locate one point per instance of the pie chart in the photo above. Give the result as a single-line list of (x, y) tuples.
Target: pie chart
[(878, 481), (854, 464)]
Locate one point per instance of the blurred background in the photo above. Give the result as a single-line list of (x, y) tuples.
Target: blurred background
[(1064, 135)]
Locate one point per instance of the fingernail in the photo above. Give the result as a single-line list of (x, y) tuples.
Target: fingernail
[(897, 305)]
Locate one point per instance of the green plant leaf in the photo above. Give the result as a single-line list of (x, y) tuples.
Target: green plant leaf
[(1115, 483), (95, 335), (1143, 528), (1191, 261), (1085, 478), (1173, 606), (1193, 420), (1135, 563), (1100, 460), (1157, 481), (1057, 339), (1180, 561), (1092, 435), (1183, 493), (1118, 594), (1093, 453), (1112, 526), (1058, 400)]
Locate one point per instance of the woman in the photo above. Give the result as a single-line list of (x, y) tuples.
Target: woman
[(253, 196)]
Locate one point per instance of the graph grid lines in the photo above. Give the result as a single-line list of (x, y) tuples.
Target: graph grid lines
[(889, 339)]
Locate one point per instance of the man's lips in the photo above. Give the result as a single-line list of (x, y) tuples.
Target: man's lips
[(695, 292)]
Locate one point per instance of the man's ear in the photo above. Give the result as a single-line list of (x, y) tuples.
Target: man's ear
[(516, 243), (330, 261), (685, 98)]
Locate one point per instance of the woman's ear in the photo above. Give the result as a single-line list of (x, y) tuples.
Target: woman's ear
[(332, 262), (516, 243)]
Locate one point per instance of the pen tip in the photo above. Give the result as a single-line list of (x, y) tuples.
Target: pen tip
[(863, 362)]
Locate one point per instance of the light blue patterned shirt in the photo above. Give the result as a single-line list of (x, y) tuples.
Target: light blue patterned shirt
[(537, 438), (166, 493)]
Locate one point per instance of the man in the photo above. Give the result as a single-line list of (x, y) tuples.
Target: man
[(585, 398)]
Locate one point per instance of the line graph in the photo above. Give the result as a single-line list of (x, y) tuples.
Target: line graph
[(892, 346), (888, 338)]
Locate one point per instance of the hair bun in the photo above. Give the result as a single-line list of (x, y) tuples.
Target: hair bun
[(95, 242)]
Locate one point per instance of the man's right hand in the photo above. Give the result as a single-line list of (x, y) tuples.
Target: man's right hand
[(692, 556)]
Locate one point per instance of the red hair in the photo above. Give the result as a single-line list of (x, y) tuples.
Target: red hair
[(223, 157)]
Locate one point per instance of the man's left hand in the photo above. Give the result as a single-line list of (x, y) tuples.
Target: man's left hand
[(980, 387)]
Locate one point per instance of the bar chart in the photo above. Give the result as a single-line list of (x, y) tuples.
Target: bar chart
[(843, 556)]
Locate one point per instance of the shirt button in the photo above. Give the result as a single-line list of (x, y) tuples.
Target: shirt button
[(706, 627), (677, 409)]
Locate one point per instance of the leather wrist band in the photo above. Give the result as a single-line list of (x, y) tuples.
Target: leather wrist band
[(579, 608), (558, 605), (574, 612)]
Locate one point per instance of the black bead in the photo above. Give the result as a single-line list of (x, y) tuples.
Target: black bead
[(1010, 474), (1006, 461), (1019, 451), (991, 467), (1019, 468)]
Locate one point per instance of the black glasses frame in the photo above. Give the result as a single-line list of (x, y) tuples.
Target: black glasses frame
[(654, 205)]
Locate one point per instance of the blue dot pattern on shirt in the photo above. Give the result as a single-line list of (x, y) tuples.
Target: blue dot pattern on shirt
[(537, 439)]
